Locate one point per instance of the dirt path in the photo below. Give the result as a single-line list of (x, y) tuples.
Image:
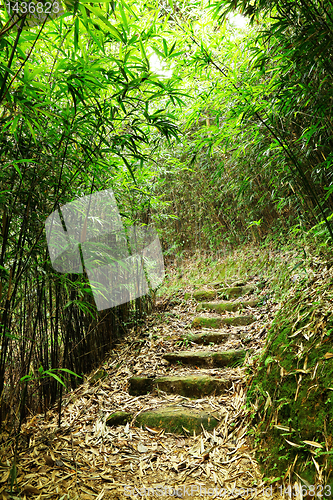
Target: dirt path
[(89, 459)]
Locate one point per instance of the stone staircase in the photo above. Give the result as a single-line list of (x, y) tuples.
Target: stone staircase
[(165, 415), (199, 372)]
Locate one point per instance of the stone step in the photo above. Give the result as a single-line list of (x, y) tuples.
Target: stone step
[(191, 386), (220, 322), (178, 420), (221, 307), (211, 359), (222, 284), (230, 292), (236, 291), (200, 295), (207, 337), (119, 418), (173, 419)]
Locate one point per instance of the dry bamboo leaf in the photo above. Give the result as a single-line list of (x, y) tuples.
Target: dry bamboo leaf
[(5, 476), (313, 443), (152, 430), (101, 495), (30, 490), (328, 355), (268, 401), (292, 444), (316, 465), (283, 428), (142, 448)]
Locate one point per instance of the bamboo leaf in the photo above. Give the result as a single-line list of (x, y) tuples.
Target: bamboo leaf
[(123, 17)]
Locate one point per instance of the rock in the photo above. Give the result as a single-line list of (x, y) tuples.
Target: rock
[(236, 291), (226, 306), (140, 385), (171, 418), (239, 320), (204, 295), (207, 358), (221, 284), (192, 386), (217, 284), (209, 322), (119, 418), (230, 292), (207, 337), (237, 283), (177, 420)]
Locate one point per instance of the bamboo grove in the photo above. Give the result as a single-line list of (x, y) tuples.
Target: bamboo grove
[(75, 118)]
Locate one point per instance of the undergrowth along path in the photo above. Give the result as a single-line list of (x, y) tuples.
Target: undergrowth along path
[(188, 399)]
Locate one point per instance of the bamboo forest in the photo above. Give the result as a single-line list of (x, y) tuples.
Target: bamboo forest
[(166, 235)]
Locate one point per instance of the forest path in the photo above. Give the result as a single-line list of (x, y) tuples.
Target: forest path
[(186, 447)]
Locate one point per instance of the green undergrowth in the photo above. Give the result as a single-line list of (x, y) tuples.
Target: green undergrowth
[(291, 393), (277, 264)]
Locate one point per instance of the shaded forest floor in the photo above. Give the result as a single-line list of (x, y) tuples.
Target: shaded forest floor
[(85, 458)]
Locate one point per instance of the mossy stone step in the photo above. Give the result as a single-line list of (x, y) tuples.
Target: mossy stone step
[(226, 306), (230, 292), (200, 295), (178, 420), (236, 291), (207, 337), (222, 284), (119, 418), (208, 322), (207, 358), (174, 419), (192, 386)]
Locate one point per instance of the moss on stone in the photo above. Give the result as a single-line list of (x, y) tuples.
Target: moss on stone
[(207, 337), (221, 307), (208, 322), (226, 292), (200, 295), (239, 320), (191, 386), (207, 358), (119, 418), (229, 358), (140, 385), (235, 291), (177, 420)]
